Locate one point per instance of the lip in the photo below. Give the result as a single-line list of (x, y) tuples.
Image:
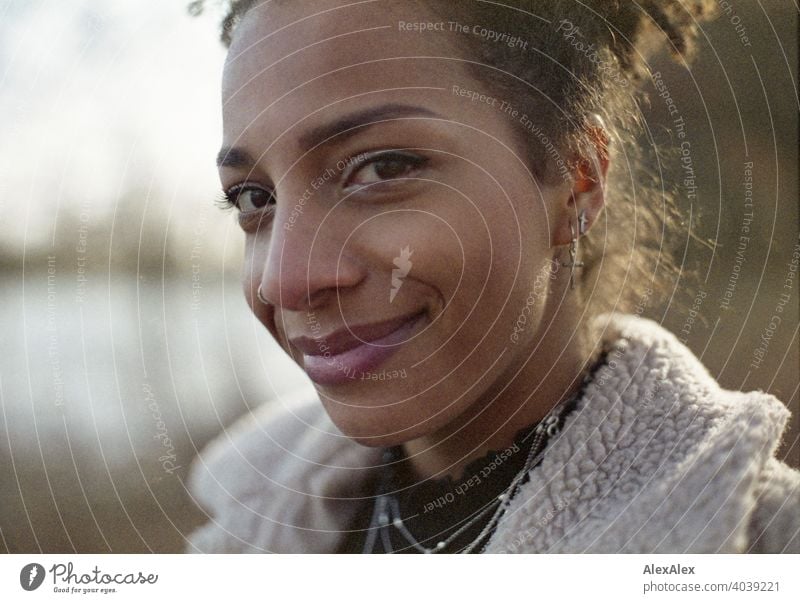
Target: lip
[(345, 355)]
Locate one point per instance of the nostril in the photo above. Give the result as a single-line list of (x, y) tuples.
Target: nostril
[(296, 281), (265, 313)]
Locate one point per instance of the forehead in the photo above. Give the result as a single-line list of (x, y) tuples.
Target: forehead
[(300, 61)]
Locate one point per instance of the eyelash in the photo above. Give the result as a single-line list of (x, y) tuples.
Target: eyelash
[(411, 160), (228, 200), (222, 202)]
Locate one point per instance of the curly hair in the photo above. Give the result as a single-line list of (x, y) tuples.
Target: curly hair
[(585, 60)]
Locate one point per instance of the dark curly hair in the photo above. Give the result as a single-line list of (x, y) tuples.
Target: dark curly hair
[(584, 60)]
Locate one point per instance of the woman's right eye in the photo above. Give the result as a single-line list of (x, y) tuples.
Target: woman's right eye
[(249, 198)]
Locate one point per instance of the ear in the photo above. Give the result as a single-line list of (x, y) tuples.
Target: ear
[(588, 189)]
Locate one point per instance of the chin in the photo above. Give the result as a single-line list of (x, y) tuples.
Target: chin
[(370, 427), (368, 438), (377, 442)]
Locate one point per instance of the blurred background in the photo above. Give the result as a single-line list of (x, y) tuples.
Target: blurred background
[(125, 341)]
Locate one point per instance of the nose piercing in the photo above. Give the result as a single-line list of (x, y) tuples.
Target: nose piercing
[(260, 296)]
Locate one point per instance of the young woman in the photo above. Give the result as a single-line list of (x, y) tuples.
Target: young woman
[(445, 229)]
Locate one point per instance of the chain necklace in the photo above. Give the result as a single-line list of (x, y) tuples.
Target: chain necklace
[(386, 513)]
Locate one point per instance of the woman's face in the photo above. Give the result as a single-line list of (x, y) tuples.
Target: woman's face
[(391, 222)]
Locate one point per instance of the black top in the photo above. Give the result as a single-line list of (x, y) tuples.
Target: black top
[(434, 509)]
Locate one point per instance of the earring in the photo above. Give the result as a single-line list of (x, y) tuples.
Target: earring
[(573, 248), (582, 220), (260, 296)]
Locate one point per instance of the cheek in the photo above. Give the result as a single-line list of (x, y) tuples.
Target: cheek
[(523, 276), (422, 246), (497, 308), (504, 248)]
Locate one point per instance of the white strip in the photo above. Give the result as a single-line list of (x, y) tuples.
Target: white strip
[(404, 578)]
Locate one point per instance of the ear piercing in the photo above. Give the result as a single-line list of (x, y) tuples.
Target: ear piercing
[(573, 248)]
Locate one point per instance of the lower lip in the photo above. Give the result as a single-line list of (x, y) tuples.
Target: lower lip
[(351, 365)]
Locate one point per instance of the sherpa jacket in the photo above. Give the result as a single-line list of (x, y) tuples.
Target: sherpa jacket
[(656, 458)]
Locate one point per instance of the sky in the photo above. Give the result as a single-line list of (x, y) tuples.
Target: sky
[(98, 98)]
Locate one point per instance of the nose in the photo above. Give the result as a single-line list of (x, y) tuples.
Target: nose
[(306, 262)]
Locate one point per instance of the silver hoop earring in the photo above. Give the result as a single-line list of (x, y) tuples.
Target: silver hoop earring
[(260, 296)]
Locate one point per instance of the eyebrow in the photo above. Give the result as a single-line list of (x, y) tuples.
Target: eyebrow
[(233, 157), (342, 128)]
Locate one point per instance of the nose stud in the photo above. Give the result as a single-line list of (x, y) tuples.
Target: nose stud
[(260, 296)]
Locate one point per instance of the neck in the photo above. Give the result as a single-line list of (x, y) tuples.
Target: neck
[(520, 397)]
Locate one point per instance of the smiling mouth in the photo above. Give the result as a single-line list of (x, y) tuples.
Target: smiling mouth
[(346, 355)]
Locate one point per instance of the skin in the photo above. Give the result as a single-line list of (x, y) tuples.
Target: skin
[(481, 228)]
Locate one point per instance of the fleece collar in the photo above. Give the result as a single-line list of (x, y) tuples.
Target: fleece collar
[(655, 458)]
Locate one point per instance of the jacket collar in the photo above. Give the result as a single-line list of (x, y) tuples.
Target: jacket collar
[(655, 458)]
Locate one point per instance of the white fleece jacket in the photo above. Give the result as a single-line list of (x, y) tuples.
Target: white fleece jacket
[(657, 458)]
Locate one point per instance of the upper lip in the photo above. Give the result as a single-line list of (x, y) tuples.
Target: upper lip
[(349, 337)]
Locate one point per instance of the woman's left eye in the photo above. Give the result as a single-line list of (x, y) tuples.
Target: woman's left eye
[(384, 166)]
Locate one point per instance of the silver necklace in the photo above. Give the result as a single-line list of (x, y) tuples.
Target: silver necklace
[(387, 510)]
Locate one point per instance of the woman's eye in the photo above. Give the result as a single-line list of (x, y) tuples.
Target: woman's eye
[(248, 198), (385, 166)]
